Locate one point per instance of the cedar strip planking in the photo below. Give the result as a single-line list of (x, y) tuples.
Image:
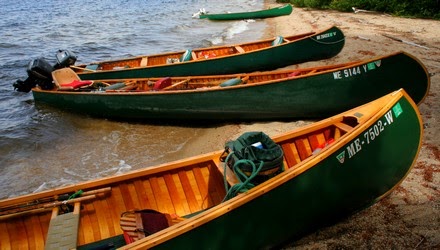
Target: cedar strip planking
[(183, 201), (126, 196), (133, 195), (141, 193), (316, 140), (44, 223), (14, 238), (200, 180), (21, 231), (4, 236), (149, 191), (196, 189), (87, 222), (102, 220), (337, 133), (165, 197), (37, 231), (302, 144), (328, 133), (189, 192), (116, 200), (160, 193), (174, 194), (288, 154), (113, 215), (217, 181), (30, 232)]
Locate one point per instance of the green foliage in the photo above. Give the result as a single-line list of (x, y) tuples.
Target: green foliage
[(409, 8)]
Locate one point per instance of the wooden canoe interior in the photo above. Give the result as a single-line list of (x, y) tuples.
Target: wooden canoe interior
[(180, 190), (193, 82), (197, 54)]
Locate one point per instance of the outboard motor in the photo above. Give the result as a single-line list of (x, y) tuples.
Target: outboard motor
[(65, 58), (40, 71)]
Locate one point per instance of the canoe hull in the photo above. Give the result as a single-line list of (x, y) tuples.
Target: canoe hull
[(304, 97), (273, 12), (322, 195), (323, 45)]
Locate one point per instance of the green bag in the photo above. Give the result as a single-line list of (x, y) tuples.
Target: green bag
[(251, 152)]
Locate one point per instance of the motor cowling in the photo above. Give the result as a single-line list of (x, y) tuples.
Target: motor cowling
[(65, 58)]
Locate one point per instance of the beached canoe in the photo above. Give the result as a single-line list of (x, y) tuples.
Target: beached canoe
[(267, 54), (330, 169), (301, 93), (272, 12)]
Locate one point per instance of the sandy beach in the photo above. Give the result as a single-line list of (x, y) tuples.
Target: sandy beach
[(409, 218)]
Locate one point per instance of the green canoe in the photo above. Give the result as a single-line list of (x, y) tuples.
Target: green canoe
[(273, 12), (301, 93), (331, 169), (267, 54)]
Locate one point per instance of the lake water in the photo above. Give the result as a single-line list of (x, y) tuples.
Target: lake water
[(42, 147)]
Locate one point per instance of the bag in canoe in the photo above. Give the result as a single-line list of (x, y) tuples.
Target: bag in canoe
[(253, 157)]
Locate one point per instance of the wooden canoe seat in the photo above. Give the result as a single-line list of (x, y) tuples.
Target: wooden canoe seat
[(63, 229), (67, 79), (137, 224)]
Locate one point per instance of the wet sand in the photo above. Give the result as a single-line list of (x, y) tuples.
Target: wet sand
[(409, 218)]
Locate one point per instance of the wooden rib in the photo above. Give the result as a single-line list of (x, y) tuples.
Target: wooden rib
[(144, 61), (199, 196), (239, 49), (193, 55)]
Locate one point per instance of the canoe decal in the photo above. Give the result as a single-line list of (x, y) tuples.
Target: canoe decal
[(371, 134), (358, 70), (326, 35)]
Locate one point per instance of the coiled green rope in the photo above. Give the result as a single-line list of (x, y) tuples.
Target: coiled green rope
[(245, 185)]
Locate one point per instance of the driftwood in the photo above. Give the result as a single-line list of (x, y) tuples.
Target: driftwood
[(404, 41)]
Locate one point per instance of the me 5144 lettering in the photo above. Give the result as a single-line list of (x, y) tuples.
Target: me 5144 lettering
[(357, 70)]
